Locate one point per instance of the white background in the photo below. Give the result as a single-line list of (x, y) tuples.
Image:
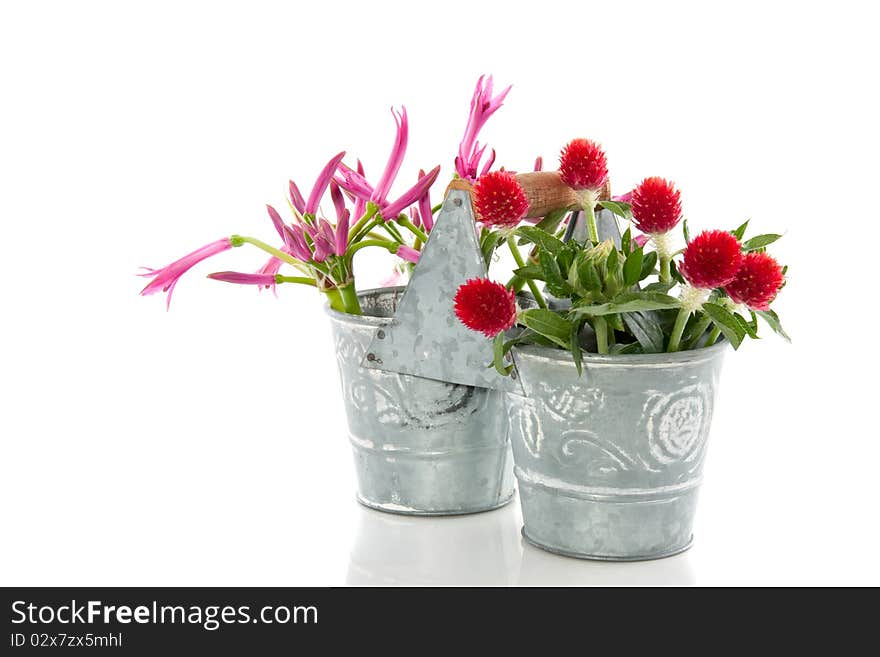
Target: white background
[(207, 445)]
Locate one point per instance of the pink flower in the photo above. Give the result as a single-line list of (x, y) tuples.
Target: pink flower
[(485, 306), (292, 236), (263, 280), (539, 163), (483, 106), (408, 253), (343, 217), (583, 164), (320, 186), (354, 183), (412, 195), (711, 259), (296, 197), (166, 278), (398, 151), (656, 205), (425, 206), (499, 199), (757, 282), (640, 240)]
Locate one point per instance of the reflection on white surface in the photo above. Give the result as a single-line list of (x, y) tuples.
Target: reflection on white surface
[(484, 549), (540, 568), (478, 550)]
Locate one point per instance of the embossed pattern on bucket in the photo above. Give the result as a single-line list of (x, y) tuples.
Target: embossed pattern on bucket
[(421, 446), (609, 464)]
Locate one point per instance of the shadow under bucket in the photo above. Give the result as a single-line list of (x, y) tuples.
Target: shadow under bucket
[(421, 447), (609, 463)]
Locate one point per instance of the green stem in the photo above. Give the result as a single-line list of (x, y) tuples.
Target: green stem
[(601, 328), (392, 230), (238, 240), (349, 298), (516, 283), (372, 209), (302, 280), (713, 336), (699, 328), (411, 227), (520, 263), (665, 271), (591, 221), (385, 244), (335, 299), (678, 329)]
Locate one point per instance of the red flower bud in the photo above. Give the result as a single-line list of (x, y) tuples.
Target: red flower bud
[(757, 282), (583, 164), (499, 199), (711, 259), (485, 306), (656, 206)]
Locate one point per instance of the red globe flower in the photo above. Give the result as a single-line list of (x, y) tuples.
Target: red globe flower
[(656, 205), (485, 306), (583, 165), (499, 199), (711, 259), (757, 282)]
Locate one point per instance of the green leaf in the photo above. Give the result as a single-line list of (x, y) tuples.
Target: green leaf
[(628, 302), (498, 350), (549, 324), (750, 330), (678, 278), (631, 348), (613, 274), (544, 241), (556, 284), (489, 243), (612, 262), (646, 330), (589, 277), (739, 232), (657, 286), (649, 262), (614, 322), (759, 242), (565, 258), (551, 222), (725, 321), (632, 268), (686, 231), (619, 208), (530, 272), (773, 322), (528, 336), (626, 241), (575, 347), (754, 322)]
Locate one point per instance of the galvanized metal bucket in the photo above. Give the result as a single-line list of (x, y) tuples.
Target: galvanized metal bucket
[(421, 447), (609, 464)]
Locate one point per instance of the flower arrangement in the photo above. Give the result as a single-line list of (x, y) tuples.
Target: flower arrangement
[(321, 251), (586, 455), (620, 293)]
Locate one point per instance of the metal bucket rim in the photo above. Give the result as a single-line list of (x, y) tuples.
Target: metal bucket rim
[(558, 356), (563, 358), (364, 320)]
